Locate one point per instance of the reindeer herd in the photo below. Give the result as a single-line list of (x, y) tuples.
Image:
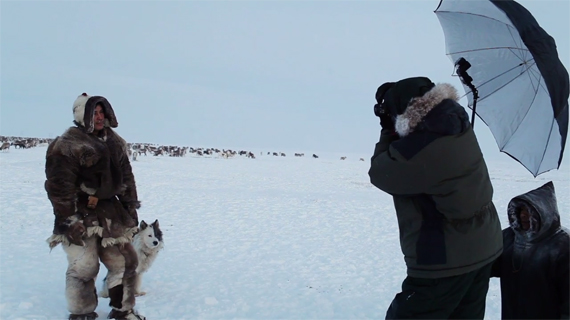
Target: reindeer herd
[(145, 149), (20, 142), (140, 149)]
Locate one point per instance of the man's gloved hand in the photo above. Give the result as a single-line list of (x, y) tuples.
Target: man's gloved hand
[(386, 122), (381, 109), (75, 231)]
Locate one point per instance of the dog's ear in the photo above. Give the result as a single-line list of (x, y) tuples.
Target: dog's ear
[(143, 225), (155, 223)]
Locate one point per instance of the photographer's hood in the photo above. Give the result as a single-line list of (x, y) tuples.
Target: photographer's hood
[(402, 92), (84, 108), (436, 111)]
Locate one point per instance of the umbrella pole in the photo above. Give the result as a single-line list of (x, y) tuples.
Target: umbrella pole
[(462, 66), (475, 97)]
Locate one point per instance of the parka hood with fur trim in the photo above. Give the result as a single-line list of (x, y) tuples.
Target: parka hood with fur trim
[(420, 113), (84, 108)]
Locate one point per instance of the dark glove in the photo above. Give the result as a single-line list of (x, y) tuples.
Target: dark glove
[(381, 110), (387, 123), (74, 231)]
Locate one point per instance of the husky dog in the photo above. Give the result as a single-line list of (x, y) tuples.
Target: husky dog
[(147, 243)]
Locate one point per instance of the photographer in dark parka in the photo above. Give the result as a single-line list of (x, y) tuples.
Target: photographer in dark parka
[(429, 160)]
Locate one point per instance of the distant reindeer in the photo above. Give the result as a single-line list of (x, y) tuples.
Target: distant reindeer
[(342, 158), (20, 144), (361, 159), (315, 156), (5, 146)]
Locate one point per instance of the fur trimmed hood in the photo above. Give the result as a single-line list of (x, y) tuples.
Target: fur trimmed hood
[(84, 107), (418, 108)]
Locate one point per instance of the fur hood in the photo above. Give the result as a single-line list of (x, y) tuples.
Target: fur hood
[(84, 107), (418, 108)]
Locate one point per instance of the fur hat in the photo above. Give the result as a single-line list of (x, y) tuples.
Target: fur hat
[(84, 108), (397, 98)]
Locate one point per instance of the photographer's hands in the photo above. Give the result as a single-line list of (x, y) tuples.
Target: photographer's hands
[(381, 110), (387, 123)]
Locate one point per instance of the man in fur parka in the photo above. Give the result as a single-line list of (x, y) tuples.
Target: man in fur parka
[(90, 184), (429, 160)]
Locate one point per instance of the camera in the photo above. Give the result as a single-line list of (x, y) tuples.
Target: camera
[(380, 109)]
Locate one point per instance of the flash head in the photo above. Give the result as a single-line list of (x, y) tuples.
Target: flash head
[(461, 67)]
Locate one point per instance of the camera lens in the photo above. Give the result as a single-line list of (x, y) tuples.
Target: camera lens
[(379, 109)]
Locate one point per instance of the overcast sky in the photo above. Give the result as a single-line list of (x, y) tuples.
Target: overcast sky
[(275, 75)]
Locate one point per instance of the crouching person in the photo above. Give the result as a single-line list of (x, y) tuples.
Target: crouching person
[(90, 161), (534, 266)]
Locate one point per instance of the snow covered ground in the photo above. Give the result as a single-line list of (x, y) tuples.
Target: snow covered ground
[(270, 238)]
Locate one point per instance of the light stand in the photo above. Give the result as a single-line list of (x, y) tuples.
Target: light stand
[(461, 67)]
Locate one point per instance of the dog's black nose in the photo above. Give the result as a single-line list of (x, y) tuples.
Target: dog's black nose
[(155, 243)]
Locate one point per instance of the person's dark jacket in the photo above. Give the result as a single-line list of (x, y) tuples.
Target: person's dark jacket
[(442, 192), (534, 266)]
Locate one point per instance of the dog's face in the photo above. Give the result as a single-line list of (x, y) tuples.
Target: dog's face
[(151, 234)]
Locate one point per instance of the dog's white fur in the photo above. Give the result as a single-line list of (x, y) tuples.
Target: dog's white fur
[(147, 245), (79, 108)]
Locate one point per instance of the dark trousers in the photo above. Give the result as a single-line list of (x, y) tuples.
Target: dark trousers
[(457, 297)]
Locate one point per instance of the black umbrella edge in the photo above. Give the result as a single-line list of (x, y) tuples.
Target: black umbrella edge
[(543, 49)]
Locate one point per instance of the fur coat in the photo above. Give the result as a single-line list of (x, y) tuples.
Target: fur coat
[(80, 164)]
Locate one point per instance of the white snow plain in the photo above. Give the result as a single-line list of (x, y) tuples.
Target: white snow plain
[(265, 238)]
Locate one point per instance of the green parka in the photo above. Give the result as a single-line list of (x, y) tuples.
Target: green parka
[(435, 171)]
